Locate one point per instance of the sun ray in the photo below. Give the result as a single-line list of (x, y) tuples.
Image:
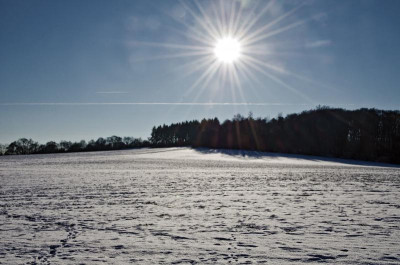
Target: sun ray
[(260, 30), (284, 71), (238, 84), (173, 56), (249, 81), (192, 36), (226, 43), (231, 18), (218, 20), (207, 81), (233, 91), (223, 73), (209, 72), (248, 75), (237, 19), (191, 65), (225, 16), (221, 79), (200, 20), (213, 29), (194, 66), (245, 21), (247, 25), (166, 45), (235, 76), (256, 51), (204, 37), (276, 32), (270, 66), (279, 81)]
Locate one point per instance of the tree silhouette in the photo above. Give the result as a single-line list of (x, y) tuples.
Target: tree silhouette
[(367, 134)]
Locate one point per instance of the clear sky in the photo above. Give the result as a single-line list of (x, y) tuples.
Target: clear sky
[(82, 69)]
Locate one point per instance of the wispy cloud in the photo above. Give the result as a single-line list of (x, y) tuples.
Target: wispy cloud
[(318, 44)]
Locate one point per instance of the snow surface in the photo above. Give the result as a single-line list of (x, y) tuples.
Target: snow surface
[(197, 206)]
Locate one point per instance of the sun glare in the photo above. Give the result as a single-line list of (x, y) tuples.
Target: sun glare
[(228, 44), (227, 50)]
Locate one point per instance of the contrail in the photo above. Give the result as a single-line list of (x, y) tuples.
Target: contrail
[(150, 103), (112, 92)]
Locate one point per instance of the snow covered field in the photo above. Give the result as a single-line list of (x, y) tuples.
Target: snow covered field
[(184, 206)]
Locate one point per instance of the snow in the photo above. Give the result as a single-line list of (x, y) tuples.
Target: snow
[(197, 206)]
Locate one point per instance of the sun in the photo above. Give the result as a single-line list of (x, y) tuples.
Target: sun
[(227, 50), (228, 44)]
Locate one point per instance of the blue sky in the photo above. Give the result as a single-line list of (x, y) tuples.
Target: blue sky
[(66, 66)]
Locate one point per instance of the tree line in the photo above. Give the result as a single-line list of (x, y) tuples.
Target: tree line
[(365, 134), (26, 146)]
